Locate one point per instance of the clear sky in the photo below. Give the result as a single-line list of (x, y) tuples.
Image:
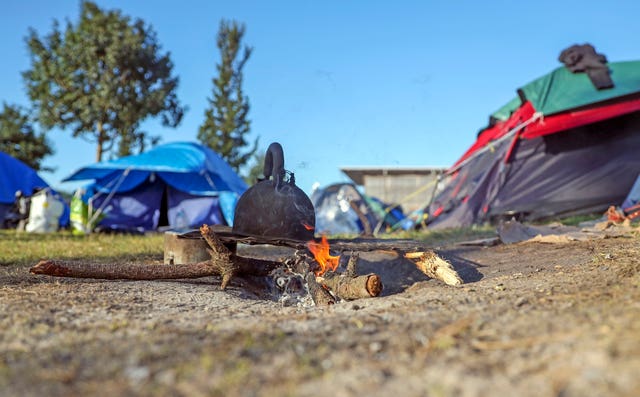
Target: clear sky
[(345, 83)]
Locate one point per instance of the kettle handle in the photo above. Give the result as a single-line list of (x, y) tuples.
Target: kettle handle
[(274, 164)]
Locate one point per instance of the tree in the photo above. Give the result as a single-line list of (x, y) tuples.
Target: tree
[(226, 124), (256, 170), (101, 78), (19, 139)]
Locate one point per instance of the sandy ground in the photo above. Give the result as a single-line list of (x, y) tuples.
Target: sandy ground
[(532, 319)]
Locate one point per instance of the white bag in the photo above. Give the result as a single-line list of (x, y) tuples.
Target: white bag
[(44, 215)]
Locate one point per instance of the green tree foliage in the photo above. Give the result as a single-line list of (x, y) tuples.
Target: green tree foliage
[(101, 78), (19, 139), (256, 170), (226, 124)]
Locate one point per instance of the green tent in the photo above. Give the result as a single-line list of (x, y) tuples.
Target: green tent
[(562, 90)]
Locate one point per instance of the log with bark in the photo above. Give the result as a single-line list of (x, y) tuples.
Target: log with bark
[(349, 285), (135, 271), (223, 263)]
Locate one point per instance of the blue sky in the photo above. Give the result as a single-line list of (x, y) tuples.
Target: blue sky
[(346, 83)]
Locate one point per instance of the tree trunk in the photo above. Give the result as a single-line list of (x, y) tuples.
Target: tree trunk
[(100, 143)]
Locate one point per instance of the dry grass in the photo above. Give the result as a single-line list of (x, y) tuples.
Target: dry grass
[(532, 319)]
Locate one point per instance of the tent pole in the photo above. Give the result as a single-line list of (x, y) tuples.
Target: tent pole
[(95, 215), (533, 118)]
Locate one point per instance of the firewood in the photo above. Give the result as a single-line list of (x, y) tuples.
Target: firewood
[(304, 264), (349, 285), (320, 295), (435, 267), (351, 270), (122, 271), (349, 288)]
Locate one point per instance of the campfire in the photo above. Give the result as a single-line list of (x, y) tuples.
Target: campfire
[(273, 211)]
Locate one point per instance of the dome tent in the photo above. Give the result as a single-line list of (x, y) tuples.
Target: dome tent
[(177, 185), (562, 147)]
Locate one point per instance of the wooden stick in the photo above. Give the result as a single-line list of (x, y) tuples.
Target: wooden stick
[(136, 271), (435, 267), (352, 265), (221, 257), (222, 263)]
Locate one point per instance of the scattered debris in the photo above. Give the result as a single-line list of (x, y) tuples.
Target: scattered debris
[(514, 232)]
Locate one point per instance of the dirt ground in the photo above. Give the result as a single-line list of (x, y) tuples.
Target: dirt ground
[(532, 319)]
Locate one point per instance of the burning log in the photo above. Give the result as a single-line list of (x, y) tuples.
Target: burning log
[(348, 285), (435, 267), (324, 259), (320, 295), (301, 264), (326, 288)]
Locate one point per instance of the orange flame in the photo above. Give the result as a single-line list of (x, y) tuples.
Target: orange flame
[(321, 252), (308, 227)]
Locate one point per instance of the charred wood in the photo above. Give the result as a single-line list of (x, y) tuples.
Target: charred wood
[(320, 295)]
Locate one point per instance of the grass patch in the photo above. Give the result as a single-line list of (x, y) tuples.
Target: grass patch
[(28, 248), (578, 219)]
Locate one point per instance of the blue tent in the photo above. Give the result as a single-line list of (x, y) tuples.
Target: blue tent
[(177, 185), (16, 175)]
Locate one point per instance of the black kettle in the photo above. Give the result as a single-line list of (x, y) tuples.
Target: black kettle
[(275, 206)]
